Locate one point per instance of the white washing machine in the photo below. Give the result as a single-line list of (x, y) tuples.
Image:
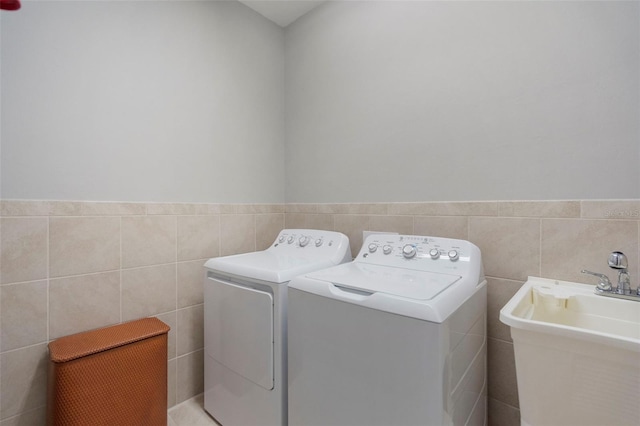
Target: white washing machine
[(396, 337), (245, 304)]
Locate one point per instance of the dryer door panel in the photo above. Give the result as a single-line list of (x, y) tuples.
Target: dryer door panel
[(239, 329)]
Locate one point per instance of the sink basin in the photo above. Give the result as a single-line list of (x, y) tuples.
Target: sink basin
[(573, 310), (577, 354)]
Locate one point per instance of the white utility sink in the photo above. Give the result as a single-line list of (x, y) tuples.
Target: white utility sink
[(577, 354), (573, 310)]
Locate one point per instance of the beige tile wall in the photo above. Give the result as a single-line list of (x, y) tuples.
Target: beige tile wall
[(67, 267), (71, 266), (552, 239)]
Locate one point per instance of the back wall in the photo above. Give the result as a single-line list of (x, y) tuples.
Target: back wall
[(437, 101), (142, 101)]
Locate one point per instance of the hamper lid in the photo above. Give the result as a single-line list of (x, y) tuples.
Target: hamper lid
[(94, 341)]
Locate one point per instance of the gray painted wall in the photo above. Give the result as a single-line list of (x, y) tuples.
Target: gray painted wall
[(142, 101), (422, 101), (385, 101)]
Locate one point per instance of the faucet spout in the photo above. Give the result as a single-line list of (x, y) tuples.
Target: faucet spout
[(617, 260)]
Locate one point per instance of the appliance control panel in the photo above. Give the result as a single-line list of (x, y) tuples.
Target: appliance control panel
[(297, 241), (434, 254)]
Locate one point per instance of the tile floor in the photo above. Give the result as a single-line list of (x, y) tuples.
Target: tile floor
[(190, 413)]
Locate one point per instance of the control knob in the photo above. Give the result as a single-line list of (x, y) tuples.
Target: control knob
[(434, 253), (318, 242), (281, 239), (373, 247), (453, 255), (409, 251), (386, 249), (290, 239), (303, 241)]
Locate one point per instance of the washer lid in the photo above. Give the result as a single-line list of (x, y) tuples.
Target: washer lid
[(402, 282), (267, 265)]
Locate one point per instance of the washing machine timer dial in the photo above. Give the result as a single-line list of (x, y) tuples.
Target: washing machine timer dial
[(409, 251), (303, 241)]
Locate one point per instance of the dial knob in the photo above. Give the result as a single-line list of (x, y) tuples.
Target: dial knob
[(434, 253), (281, 239), (408, 251), (387, 249), (318, 242), (290, 239), (453, 255), (373, 247), (303, 241)]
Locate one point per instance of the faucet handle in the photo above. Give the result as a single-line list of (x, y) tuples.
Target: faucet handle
[(604, 284)]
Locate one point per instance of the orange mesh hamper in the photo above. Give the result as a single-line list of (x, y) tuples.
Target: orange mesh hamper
[(111, 376)]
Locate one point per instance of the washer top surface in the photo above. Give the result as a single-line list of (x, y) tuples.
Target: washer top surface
[(294, 252), (367, 278), (421, 277)]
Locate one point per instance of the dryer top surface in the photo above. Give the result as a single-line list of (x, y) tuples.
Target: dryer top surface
[(294, 252)]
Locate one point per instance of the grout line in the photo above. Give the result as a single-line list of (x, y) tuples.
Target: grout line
[(190, 353), (503, 403), (219, 235), (175, 361), (185, 401), (510, 342), (120, 270), (33, 345), (540, 248), (176, 270), (176, 337), (48, 279), (108, 271), (255, 232), (581, 212), (1, 206), (18, 416)]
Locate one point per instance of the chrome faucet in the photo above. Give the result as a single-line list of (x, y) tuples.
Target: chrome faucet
[(604, 284), (622, 290), (617, 260)]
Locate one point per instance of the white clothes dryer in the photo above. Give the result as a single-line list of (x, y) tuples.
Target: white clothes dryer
[(396, 337), (245, 324)]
